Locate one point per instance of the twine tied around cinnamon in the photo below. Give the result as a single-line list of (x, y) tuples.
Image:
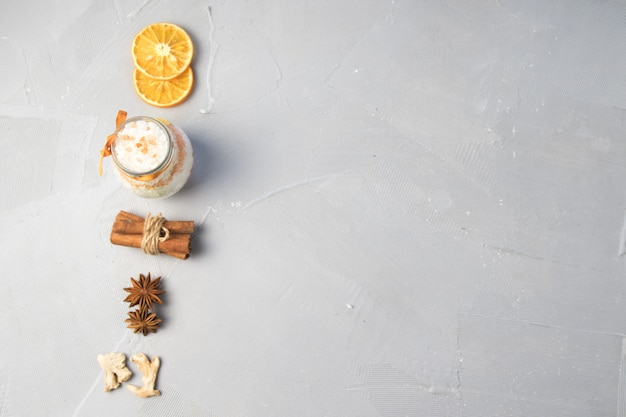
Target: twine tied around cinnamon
[(153, 233)]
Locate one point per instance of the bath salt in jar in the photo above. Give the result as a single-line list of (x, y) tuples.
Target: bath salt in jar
[(153, 157)]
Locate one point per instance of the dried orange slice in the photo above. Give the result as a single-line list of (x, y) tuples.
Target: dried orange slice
[(163, 93), (162, 51)]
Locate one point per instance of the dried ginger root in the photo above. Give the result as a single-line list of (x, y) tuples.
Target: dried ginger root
[(115, 371), (149, 371)]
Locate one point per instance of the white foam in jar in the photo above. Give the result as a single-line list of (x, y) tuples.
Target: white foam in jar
[(153, 157)]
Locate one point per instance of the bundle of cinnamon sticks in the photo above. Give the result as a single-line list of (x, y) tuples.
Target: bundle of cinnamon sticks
[(128, 230)]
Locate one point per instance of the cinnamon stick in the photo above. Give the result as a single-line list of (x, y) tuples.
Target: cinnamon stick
[(128, 231), (134, 228), (177, 245), (124, 215), (132, 224)]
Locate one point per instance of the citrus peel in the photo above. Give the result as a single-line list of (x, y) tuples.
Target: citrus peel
[(162, 51), (162, 54), (163, 93)]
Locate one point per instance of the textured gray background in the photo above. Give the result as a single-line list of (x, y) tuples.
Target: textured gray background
[(404, 208)]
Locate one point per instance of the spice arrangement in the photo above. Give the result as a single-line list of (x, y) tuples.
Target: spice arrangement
[(143, 293), (153, 235), (153, 158), (115, 373)]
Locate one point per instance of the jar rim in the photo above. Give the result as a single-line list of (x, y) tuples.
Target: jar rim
[(162, 165)]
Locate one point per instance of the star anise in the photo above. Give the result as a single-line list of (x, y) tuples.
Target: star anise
[(143, 321), (144, 292)]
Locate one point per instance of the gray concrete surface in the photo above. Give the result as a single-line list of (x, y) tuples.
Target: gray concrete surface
[(403, 208)]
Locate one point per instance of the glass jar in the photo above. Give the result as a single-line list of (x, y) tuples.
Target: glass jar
[(153, 157)]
